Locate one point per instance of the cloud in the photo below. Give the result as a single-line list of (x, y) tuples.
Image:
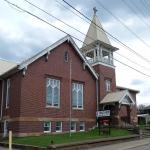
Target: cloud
[(22, 35), (137, 82)]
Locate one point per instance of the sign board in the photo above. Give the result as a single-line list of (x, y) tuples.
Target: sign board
[(105, 113)]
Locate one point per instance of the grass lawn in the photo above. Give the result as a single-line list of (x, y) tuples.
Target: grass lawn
[(145, 127), (45, 140)]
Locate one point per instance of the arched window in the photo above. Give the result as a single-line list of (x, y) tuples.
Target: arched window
[(77, 95), (66, 56), (53, 92)]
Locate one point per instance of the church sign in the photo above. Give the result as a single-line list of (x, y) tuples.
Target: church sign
[(105, 113), (104, 121)]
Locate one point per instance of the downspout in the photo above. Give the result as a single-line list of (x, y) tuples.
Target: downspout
[(2, 99), (97, 99)]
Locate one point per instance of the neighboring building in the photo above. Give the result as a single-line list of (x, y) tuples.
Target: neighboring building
[(146, 110), (144, 115), (60, 88)]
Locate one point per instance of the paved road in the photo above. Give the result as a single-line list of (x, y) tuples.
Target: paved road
[(143, 144), (144, 147)]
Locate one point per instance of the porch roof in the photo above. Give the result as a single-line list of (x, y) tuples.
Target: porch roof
[(121, 97), (6, 66)]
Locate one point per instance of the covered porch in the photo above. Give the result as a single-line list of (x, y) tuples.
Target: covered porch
[(120, 105)]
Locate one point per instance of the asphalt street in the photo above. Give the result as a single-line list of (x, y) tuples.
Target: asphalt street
[(143, 144), (144, 147)]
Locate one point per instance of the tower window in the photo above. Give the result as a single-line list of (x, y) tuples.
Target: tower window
[(108, 85), (105, 55), (66, 56)]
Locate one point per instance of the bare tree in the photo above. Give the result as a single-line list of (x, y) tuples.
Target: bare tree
[(141, 108)]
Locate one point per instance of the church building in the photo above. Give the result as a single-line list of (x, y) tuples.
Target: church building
[(61, 88)]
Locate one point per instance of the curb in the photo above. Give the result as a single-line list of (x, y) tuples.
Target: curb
[(76, 145)]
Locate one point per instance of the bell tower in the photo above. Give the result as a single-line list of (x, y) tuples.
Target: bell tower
[(99, 52)]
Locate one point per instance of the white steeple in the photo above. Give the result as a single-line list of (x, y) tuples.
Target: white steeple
[(97, 47), (95, 31)]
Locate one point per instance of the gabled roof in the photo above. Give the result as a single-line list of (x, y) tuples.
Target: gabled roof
[(6, 66), (96, 32), (120, 97), (129, 89), (68, 38)]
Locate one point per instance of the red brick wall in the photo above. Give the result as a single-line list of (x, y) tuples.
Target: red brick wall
[(33, 93), (105, 73), (133, 112), (28, 93), (14, 101), (0, 104), (0, 94)]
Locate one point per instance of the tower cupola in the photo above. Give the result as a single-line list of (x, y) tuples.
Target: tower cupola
[(97, 47)]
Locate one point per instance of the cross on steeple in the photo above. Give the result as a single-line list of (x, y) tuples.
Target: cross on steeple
[(95, 10)]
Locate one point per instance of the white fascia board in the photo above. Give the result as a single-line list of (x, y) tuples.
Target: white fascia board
[(48, 49), (43, 52), (101, 63), (128, 94), (84, 59)]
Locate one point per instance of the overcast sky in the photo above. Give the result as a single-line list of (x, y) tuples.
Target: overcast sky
[(21, 35)]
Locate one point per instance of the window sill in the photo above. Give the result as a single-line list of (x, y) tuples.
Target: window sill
[(47, 131), (58, 131), (82, 130), (77, 108), (73, 130), (52, 107)]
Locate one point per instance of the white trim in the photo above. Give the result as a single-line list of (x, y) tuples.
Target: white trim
[(83, 126), (77, 90), (108, 85), (58, 86), (81, 55), (49, 127), (7, 93), (126, 94), (125, 88), (50, 48), (74, 126), (2, 99), (60, 127), (101, 63)]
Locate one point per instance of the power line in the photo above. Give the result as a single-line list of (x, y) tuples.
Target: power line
[(56, 18), (146, 5), (123, 24), (72, 11), (109, 34), (131, 67), (133, 62), (35, 16), (139, 10), (78, 31), (140, 18)]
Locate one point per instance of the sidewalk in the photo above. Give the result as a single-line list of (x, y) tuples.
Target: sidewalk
[(2, 148), (124, 146)]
